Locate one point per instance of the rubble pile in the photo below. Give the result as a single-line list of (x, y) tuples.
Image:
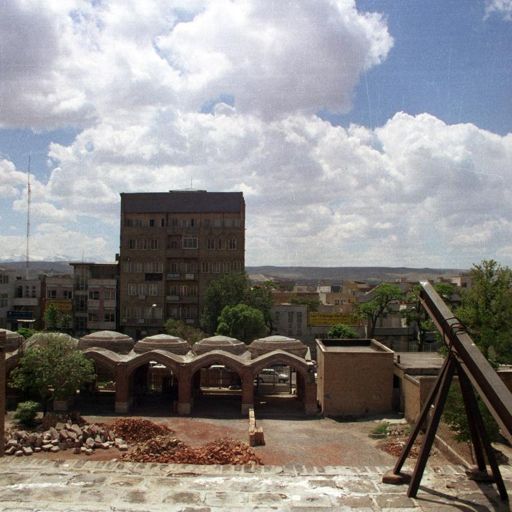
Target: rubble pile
[(139, 430), (169, 450), (64, 436)]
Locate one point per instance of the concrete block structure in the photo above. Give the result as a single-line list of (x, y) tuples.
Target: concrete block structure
[(355, 377)]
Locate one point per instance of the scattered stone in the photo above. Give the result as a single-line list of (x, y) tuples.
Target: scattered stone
[(55, 449), (11, 450), (19, 453), (27, 450), (47, 447)]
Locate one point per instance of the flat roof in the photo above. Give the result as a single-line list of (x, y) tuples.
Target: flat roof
[(182, 201), (413, 362), (362, 345)]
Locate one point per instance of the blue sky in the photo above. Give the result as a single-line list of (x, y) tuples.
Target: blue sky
[(367, 133)]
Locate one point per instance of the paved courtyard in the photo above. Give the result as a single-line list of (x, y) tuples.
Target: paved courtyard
[(30, 484)]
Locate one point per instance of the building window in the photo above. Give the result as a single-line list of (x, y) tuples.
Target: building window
[(151, 223), (52, 294), (232, 243), (190, 242), (109, 294), (94, 295), (68, 294), (3, 300), (211, 243), (4, 279), (131, 244), (109, 316), (92, 316)]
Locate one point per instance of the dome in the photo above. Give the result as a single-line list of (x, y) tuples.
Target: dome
[(231, 345), (162, 342), (12, 340), (271, 343), (111, 340), (41, 338)]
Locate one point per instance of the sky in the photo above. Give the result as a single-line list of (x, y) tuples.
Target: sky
[(362, 133)]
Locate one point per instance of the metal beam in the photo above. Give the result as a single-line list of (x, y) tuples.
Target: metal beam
[(482, 375)]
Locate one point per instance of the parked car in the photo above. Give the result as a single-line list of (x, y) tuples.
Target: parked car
[(270, 376)]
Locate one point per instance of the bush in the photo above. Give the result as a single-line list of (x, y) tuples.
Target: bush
[(26, 413)]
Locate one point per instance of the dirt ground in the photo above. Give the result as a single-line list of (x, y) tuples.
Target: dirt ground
[(312, 442)]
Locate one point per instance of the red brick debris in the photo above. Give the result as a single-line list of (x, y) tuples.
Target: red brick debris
[(170, 450), (138, 430)]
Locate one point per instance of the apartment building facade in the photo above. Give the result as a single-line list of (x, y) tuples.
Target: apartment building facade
[(95, 297), (173, 244)]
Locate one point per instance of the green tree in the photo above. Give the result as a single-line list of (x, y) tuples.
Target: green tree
[(486, 310), (341, 331), (233, 289), (227, 290), (53, 371), (383, 297), (242, 322), (415, 314), (51, 318), (55, 320), (184, 331)]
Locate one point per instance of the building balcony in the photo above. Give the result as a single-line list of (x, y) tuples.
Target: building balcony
[(25, 301)]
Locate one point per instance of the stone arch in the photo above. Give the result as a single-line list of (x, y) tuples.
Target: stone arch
[(104, 357), (279, 356), (170, 361), (217, 356)]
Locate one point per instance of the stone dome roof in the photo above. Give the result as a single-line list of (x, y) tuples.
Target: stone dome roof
[(231, 345), (270, 343), (13, 340), (111, 340), (162, 342), (41, 338)]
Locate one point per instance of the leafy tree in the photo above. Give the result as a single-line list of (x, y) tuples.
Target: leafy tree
[(341, 331), (415, 314), (242, 322), (227, 290), (184, 331), (26, 332), (26, 413), (380, 304), (56, 320), (230, 290), (54, 371), (51, 317), (260, 297), (486, 310)]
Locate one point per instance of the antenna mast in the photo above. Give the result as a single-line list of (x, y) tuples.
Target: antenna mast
[(29, 194)]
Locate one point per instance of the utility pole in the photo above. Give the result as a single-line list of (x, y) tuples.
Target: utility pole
[(29, 197)]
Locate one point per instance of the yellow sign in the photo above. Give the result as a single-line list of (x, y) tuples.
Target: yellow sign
[(319, 319)]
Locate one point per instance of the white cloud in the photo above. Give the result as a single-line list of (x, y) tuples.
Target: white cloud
[(223, 96), (73, 62), (503, 7)]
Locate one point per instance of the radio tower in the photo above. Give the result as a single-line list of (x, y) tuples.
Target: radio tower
[(27, 255)]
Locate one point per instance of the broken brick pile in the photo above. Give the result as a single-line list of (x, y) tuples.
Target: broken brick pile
[(170, 450), (64, 436), (136, 430)]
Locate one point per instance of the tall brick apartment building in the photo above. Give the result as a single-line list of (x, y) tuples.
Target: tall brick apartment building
[(172, 245)]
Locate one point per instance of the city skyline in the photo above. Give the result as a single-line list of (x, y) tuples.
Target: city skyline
[(361, 133)]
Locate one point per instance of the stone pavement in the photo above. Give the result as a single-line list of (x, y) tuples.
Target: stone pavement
[(30, 484)]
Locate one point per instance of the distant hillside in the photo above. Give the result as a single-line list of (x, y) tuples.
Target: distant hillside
[(335, 274), (302, 275), (39, 267)]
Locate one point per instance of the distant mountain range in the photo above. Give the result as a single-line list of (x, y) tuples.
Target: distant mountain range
[(306, 275), (301, 275)]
